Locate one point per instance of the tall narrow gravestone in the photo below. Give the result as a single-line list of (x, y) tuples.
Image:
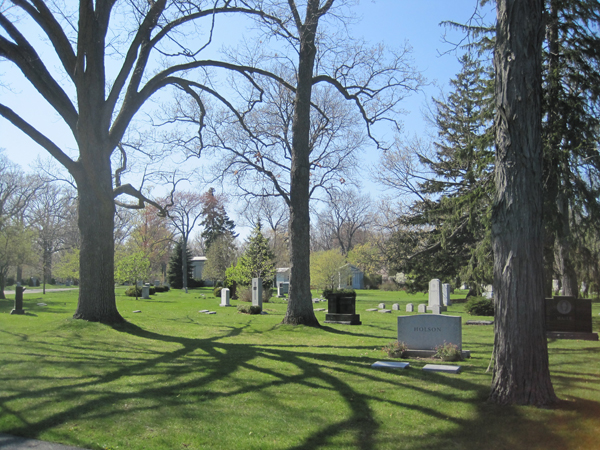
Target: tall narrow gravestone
[(257, 292), (18, 300), (446, 294), (435, 295), (146, 291), (225, 297)]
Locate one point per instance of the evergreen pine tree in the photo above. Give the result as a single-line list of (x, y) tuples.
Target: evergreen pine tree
[(449, 226), (216, 222), (175, 271), (258, 261)]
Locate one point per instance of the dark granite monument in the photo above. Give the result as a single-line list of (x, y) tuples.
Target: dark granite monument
[(342, 309), (569, 318), (18, 300)]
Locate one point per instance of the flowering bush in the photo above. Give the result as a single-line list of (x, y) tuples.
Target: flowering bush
[(395, 349)]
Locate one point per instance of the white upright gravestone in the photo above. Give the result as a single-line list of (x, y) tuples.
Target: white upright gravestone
[(146, 291), (225, 297), (257, 292), (435, 296), (446, 294)]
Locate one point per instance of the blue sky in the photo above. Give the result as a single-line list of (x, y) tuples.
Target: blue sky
[(388, 21)]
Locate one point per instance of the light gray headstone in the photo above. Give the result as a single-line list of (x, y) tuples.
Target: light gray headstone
[(145, 292), (140, 284), (441, 368), (427, 331), (225, 297), (395, 307), (422, 307), (391, 364), (381, 306), (410, 308), (555, 285), (257, 292), (156, 282), (435, 292), (446, 294)]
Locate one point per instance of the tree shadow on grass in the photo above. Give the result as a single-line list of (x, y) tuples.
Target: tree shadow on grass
[(487, 426)]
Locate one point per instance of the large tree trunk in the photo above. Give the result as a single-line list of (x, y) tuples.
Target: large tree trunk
[(300, 308), (96, 224), (521, 373)]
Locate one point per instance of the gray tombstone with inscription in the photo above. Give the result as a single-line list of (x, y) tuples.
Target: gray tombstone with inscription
[(424, 332), (257, 292)]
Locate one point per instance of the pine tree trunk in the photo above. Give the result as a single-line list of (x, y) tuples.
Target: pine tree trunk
[(300, 308), (184, 265), (96, 224), (521, 372), (564, 250)]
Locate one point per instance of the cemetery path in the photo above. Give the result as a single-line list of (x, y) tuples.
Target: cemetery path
[(8, 442), (39, 291)]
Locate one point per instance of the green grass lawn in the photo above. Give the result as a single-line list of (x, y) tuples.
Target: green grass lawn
[(173, 378)]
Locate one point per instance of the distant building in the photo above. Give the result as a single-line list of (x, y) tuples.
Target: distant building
[(198, 266), (351, 277), (282, 275)]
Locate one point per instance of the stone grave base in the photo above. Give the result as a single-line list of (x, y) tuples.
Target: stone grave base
[(442, 308), (430, 354), (578, 335), (343, 319), (391, 364), (441, 368)]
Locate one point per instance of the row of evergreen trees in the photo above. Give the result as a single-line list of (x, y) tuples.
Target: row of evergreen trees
[(447, 231)]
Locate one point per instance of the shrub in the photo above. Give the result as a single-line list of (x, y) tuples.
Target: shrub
[(217, 291), (134, 291), (244, 295), (389, 285), (161, 288), (395, 349), (10, 281), (52, 280), (480, 306), (267, 294), (249, 309), (448, 352)]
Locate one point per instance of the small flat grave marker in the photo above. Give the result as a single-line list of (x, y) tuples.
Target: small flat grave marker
[(372, 309), (319, 309), (42, 304), (211, 312), (391, 365), (441, 368), (385, 310), (203, 311), (479, 322), (137, 311)]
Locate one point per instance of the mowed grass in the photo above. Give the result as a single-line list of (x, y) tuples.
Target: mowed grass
[(173, 378)]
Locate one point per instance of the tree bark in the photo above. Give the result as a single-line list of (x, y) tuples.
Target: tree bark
[(521, 372), (96, 223), (300, 309), (184, 264), (565, 265)]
